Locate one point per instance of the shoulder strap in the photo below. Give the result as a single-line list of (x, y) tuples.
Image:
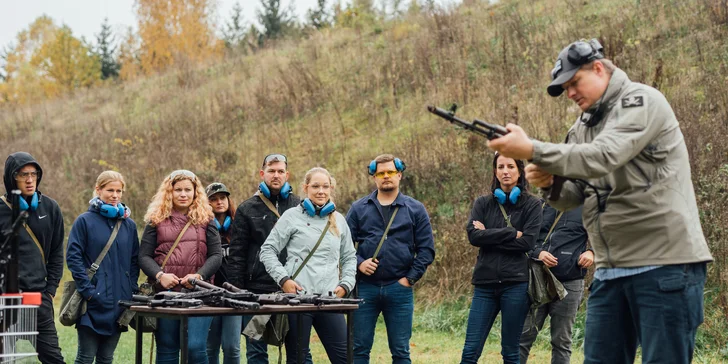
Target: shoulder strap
[(381, 241), (179, 237), (503, 210), (552, 227), (100, 258), (30, 232), (303, 264), (269, 204)]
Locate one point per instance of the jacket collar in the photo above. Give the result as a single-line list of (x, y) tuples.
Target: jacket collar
[(398, 201)]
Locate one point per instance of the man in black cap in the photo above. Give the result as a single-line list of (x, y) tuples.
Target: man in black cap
[(628, 165), (40, 245)]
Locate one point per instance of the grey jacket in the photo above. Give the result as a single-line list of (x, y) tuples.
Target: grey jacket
[(637, 159), (298, 232)]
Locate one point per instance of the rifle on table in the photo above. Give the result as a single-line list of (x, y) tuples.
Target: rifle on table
[(141, 300), (490, 131), (220, 297), (319, 299), (264, 299)]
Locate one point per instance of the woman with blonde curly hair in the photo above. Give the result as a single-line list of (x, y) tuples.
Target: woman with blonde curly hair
[(180, 242), (317, 231)]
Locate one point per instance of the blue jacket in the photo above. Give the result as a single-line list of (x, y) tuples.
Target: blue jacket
[(118, 273), (409, 247)]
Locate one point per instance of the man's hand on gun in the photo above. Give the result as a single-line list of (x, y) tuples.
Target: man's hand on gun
[(515, 144)]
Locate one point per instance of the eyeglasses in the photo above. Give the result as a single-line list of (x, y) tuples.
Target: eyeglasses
[(23, 176), (182, 172), (389, 174), (270, 158)]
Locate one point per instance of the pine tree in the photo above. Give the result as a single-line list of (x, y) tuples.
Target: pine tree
[(234, 30), (319, 17), (106, 51), (274, 19)]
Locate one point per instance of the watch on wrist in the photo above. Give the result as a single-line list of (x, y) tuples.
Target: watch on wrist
[(411, 281)]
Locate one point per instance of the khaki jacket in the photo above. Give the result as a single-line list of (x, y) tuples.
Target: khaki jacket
[(637, 160)]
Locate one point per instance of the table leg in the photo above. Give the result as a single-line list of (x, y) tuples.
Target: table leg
[(349, 337), (139, 338), (183, 326), (300, 343)]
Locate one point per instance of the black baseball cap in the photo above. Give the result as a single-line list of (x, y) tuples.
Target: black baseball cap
[(216, 187), (570, 60)]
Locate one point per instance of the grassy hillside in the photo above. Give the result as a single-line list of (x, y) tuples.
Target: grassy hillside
[(345, 95)]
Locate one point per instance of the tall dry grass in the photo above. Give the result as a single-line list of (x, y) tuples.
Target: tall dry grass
[(342, 96)]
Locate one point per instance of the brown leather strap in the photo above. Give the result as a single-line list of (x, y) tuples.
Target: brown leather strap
[(30, 232), (175, 243), (267, 202)]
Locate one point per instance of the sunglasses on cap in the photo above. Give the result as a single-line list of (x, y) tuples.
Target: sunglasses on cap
[(182, 173), (270, 158)]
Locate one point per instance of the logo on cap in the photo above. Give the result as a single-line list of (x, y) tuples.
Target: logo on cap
[(556, 70)]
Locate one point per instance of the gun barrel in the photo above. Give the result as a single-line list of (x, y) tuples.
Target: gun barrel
[(490, 131), (230, 287), (203, 284)]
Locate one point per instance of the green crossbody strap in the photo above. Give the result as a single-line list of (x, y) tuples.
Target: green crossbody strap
[(384, 236), (505, 215), (95, 266), (321, 238), (552, 227)]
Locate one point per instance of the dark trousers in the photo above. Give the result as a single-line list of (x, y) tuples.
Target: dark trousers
[(256, 351), (331, 329), (563, 316), (511, 300), (92, 345), (49, 352), (660, 309)]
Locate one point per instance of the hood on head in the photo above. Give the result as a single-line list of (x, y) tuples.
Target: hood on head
[(14, 163)]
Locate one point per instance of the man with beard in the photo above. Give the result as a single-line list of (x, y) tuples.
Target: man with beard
[(254, 220), (395, 246)]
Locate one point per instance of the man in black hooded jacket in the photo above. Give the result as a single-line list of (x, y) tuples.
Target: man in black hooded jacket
[(40, 254)]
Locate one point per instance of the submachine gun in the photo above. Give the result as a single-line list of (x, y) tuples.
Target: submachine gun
[(490, 131)]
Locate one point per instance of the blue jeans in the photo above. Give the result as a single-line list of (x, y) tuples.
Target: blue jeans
[(256, 351), (660, 309), (396, 303), (511, 299), (331, 330), (168, 344), (225, 332), (92, 345)]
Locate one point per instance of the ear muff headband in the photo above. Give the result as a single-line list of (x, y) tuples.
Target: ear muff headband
[(502, 197), (398, 164), (24, 204), (286, 190), (225, 224), (313, 210)]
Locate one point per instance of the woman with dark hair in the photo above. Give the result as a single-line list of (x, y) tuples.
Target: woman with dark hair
[(224, 330), (504, 226), (180, 242)]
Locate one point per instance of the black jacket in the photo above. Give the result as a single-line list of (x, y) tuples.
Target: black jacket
[(502, 257), (567, 241), (253, 222), (34, 273)]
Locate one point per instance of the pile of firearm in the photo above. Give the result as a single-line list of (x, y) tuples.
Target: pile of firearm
[(206, 294)]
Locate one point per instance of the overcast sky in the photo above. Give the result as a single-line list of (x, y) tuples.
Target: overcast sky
[(84, 17)]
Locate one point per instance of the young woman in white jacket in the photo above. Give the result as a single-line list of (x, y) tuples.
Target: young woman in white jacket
[(298, 231)]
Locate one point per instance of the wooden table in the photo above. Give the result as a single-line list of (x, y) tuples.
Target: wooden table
[(183, 314)]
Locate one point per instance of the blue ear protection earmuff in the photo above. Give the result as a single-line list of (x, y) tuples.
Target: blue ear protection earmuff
[(512, 197), (225, 224), (314, 210), (398, 164), (24, 204), (285, 190), (109, 210)]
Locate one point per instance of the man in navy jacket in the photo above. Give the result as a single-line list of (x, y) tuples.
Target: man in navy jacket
[(385, 281)]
